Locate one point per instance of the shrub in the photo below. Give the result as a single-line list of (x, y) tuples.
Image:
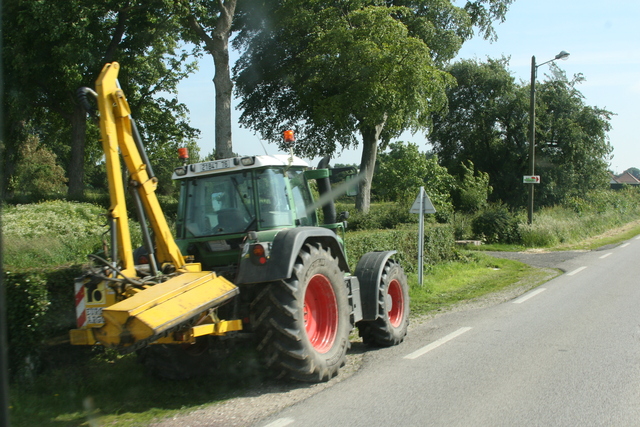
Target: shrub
[(462, 226), (496, 224), (38, 172), (40, 305), (439, 245), (27, 302), (381, 216), (472, 190)]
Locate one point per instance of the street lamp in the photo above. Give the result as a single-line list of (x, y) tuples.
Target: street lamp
[(532, 124)]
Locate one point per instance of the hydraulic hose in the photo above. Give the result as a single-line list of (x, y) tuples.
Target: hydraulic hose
[(82, 94)]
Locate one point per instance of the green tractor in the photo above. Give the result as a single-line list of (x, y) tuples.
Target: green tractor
[(249, 259), (253, 221)]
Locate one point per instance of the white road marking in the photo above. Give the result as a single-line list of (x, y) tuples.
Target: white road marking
[(436, 344), (638, 238), (625, 245), (576, 271), (281, 422), (529, 295), (606, 255)]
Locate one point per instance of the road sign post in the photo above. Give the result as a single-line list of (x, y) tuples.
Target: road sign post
[(421, 206)]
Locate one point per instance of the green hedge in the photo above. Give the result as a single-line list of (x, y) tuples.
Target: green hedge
[(439, 245), (40, 307)]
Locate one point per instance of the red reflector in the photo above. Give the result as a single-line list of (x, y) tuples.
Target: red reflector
[(258, 250), (262, 260)]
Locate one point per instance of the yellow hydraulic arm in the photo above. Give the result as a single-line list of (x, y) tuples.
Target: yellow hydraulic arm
[(116, 131), (114, 306)]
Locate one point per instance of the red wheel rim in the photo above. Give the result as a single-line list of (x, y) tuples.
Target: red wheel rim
[(395, 303), (320, 313)]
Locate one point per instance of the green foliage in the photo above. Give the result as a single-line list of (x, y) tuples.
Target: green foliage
[(439, 244), (56, 233), (400, 172), (75, 38), (473, 189), (461, 223), (487, 124), (621, 202), (581, 218), (341, 73), (495, 224), (573, 145), (302, 59), (39, 307), (50, 233), (381, 216), (27, 302), (403, 170), (38, 173)]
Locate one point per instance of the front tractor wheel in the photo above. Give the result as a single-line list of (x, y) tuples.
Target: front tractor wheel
[(303, 323), (390, 327)]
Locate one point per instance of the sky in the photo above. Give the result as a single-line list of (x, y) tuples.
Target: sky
[(603, 39)]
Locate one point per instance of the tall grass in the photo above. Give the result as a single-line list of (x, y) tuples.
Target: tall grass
[(581, 218)]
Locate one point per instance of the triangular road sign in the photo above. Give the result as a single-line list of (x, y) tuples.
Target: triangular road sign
[(427, 206)]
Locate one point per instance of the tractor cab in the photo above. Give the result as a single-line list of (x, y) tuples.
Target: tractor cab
[(221, 201)]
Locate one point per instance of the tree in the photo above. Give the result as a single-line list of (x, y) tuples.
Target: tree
[(472, 189), (38, 173), (400, 172), (211, 21), (74, 40), (572, 144), (342, 73), (404, 169), (487, 124)]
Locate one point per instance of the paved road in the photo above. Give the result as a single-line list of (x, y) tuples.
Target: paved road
[(564, 354), (556, 259)]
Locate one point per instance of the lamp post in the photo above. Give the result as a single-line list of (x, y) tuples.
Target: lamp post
[(532, 124)]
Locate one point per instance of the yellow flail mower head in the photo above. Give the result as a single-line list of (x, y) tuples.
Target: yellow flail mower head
[(120, 304)]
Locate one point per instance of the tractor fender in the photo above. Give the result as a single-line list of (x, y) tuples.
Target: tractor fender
[(284, 251), (369, 273)]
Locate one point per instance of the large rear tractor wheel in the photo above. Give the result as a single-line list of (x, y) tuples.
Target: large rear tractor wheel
[(303, 323), (390, 327)]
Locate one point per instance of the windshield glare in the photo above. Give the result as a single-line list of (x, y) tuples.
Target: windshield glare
[(220, 204)]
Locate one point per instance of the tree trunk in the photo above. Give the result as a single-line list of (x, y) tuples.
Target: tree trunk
[(370, 137), (218, 46), (76, 164), (224, 86)]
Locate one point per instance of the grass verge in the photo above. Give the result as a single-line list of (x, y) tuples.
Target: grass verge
[(449, 283)]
